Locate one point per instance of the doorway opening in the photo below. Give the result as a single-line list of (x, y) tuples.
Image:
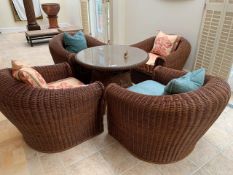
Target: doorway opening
[(96, 18)]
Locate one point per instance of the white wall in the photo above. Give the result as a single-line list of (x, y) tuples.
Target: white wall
[(133, 20), (72, 10), (118, 21), (69, 13), (183, 17)]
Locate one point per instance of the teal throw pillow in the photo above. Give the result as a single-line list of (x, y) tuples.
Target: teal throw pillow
[(75, 43), (189, 82), (148, 87)]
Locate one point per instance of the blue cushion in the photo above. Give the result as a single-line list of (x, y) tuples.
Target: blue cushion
[(75, 43), (148, 87), (189, 82)]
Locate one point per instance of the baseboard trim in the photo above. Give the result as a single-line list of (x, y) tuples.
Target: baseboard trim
[(12, 29), (23, 29)]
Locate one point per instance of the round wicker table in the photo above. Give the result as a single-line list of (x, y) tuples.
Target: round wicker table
[(112, 63)]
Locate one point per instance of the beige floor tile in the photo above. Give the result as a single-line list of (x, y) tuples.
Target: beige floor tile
[(228, 153), (33, 161), (143, 168), (219, 166), (102, 140), (2, 117), (201, 172), (18, 169), (30, 153), (52, 164), (118, 158), (34, 166), (225, 122), (203, 152), (93, 165), (219, 137), (12, 158), (183, 167), (228, 109), (8, 131), (77, 153), (231, 99), (14, 46)]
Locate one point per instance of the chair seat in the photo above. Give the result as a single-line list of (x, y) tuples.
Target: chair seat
[(148, 87), (66, 83), (149, 66), (152, 59)]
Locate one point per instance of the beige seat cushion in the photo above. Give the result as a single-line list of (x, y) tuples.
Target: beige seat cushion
[(66, 83), (43, 32), (152, 59)]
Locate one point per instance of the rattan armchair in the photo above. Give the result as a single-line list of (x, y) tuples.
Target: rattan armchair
[(60, 55), (176, 60), (52, 120), (164, 129)]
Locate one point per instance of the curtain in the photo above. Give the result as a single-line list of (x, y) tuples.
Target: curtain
[(19, 7)]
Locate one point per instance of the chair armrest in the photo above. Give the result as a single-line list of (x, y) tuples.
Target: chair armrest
[(55, 72), (92, 42), (40, 101), (57, 50), (145, 45), (164, 74)]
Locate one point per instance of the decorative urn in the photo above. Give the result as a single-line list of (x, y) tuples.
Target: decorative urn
[(51, 9)]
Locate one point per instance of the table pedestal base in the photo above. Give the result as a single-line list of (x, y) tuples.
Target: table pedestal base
[(53, 22), (121, 78)]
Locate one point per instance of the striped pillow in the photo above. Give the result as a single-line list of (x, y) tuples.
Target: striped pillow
[(31, 77), (23, 72), (16, 66)]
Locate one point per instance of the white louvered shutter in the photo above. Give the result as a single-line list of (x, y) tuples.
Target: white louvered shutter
[(215, 47), (85, 16)]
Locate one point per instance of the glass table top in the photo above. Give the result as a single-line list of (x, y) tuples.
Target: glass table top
[(112, 57)]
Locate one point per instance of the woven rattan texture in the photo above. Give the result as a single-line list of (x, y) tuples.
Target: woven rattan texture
[(175, 60), (52, 120), (164, 129)]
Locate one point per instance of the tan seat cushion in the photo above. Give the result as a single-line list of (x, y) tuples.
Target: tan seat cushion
[(149, 66), (43, 32), (152, 59), (70, 29), (66, 83)]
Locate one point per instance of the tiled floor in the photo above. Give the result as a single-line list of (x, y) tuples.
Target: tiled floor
[(103, 155)]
